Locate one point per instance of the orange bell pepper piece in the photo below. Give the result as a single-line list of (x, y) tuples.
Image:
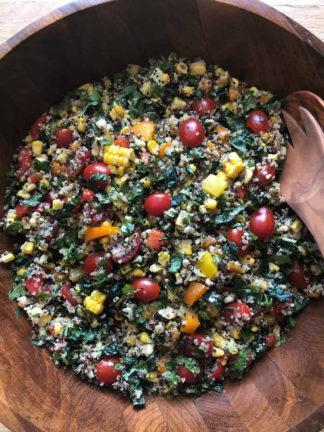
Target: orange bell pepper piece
[(190, 322), (194, 291), (154, 239), (145, 129), (233, 94), (97, 232), (164, 148)]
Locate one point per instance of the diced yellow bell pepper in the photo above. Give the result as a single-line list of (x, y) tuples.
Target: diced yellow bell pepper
[(214, 184), (207, 265)]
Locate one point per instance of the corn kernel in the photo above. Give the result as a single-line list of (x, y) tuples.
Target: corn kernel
[(57, 204), (145, 182), (178, 104), (181, 68), (153, 147), (218, 352), (21, 271), (273, 267), (81, 126), (210, 204), (219, 341), (138, 272), (235, 333), (296, 226), (22, 194), (27, 248), (37, 148), (185, 246), (58, 328), (29, 187), (247, 260), (7, 257), (132, 69), (145, 338), (198, 67), (45, 183), (223, 362), (152, 377), (131, 340), (163, 258), (95, 302), (254, 329), (188, 90)]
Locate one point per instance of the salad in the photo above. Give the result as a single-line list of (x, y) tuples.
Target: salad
[(153, 251)]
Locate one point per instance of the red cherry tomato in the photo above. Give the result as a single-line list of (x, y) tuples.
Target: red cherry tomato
[(188, 376), (264, 175), (66, 293), (63, 137), (106, 371), (25, 158), (41, 207), (145, 157), (87, 195), (270, 340), (97, 168), (262, 223), (218, 371), (279, 310), (22, 210), (157, 203), (35, 129), (122, 142), (236, 311), (92, 261), (35, 285), (33, 178), (79, 160), (198, 345), (204, 106), (191, 132), (146, 289), (242, 191), (258, 121), (297, 276), (127, 251), (237, 236)]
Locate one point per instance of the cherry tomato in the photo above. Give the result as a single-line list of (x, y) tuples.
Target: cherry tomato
[(33, 178), (258, 121), (204, 106), (107, 372), (188, 376), (128, 250), (97, 168), (92, 261), (262, 223), (157, 203), (297, 276), (279, 310), (66, 293), (238, 236), (146, 289), (198, 345), (79, 160), (63, 137), (218, 371), (25, 158), (191, 132), (264, 175), (35, 129), (87, 195), (242, 191), (236, 311), (22, 210), (122, 142), (270, 340), (145, 157), (35, 285), (41, 207)]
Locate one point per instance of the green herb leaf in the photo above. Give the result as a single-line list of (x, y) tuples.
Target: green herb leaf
[(249, 101), (214, 298), (17, 291), (228, 215), (278, 293), (176, 262), (190, 363), (34, 200), (233, 123), (14, 228), (240, 142)]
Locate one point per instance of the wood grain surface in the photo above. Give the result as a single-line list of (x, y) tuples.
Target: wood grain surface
[(285, 390)]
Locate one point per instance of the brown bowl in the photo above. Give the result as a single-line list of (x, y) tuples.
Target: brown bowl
[(82, 42)]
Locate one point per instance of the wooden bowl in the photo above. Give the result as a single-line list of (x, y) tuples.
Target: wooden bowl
[(82, 42)]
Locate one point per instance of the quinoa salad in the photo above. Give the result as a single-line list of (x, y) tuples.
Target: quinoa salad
[(153, 252)]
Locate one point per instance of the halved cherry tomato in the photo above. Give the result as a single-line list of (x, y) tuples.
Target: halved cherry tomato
[(198, 345), (79, 160), (22, 210), (191, 133), (204, 106), (258, 121), (66, 293), (262, 223), (35, 285), (297, 276), (25, 158), (92, 262), (239, 237), (128, 250), (63, 137), (35, 129), (219, 371), (279, 310), (157, 203), (242, 191), (97, 168), (122, 142), (236, 312), (146, 289), (106, 371), (87, 195), (145, 158), (264, 175), (270, 340), (189, 376), (154, 239), (34, 178)]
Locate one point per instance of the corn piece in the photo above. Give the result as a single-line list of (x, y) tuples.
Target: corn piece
[(185, 246), (95, 302), (27, 248), (37, 147), (153, 147), (7, 257), (163, 258), (76, 274), (198, 67), (152, 377), (178, 104), (145, 338), (181, 68), (218, 352), (186, 90), (296, 226), (138, 272), (57, 204)]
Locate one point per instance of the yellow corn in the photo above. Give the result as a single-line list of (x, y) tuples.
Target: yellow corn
[(37, 148), (62, 157), (254, 329), (296, 226), (116, 155), (21, 271), (145, 338), (188, 90), (163, 258), (235, 333), (207, 265), (131, 340), (138, 272), (57, 204), (145, 182), (146, 88), (126, 268), (233, 166), (178, 104), (247, 260), (181, 68), (218, 352), (152, 377), (27, 248), (6, 258), (58, 328), (95, 302), (273, 267), (185, 247), (214, 184), (117, 112), (81, 126), (198, 67), (219, 341), (210, 204), (45, 183), (153, 147), (22, 194)]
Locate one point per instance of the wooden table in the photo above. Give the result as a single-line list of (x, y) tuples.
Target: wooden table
[(16, 14)]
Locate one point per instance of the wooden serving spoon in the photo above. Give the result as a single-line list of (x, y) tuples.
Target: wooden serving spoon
[(302, 178)]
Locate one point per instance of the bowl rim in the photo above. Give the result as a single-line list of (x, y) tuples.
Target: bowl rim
[(253, 6)]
